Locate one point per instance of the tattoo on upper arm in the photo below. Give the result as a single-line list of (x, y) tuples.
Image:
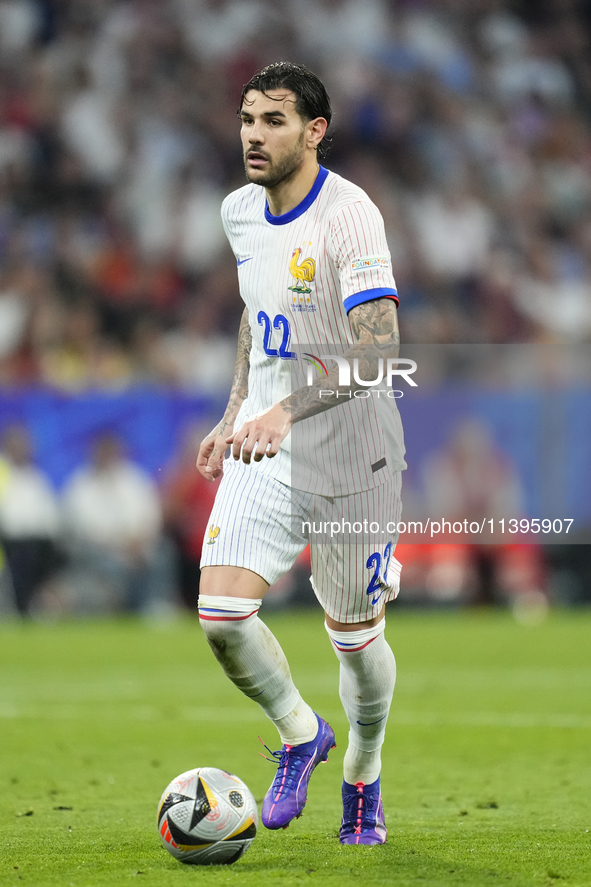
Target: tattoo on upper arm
[(375, 327), (375, 322)]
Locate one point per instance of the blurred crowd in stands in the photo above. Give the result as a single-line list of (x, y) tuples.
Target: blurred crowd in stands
[(110, 541), (467, 121), (113, 540)]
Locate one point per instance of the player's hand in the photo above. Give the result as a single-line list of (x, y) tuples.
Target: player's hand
[(211, 453), (261, 435)]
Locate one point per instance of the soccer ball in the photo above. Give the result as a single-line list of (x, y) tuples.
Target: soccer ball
[(207, 817)]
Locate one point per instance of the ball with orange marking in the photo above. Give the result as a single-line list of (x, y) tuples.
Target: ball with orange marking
[(207, 816)]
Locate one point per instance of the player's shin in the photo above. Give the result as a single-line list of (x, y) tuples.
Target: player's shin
[(252, 658), (367, 679)]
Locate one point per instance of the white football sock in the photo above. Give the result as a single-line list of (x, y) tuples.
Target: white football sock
[(367, 678), (251, 657), (300, 725)]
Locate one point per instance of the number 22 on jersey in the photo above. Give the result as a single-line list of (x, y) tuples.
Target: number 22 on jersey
[(280, 322)]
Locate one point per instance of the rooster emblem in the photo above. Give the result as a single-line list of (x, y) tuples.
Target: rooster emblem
[(303, 273), (213, 533)]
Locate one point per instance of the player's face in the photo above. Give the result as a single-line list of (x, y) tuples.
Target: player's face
[(273, 137)]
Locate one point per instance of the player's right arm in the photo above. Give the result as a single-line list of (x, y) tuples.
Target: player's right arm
[(214, 446)]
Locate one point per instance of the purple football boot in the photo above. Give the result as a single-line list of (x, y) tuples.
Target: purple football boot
[(363, 814), (286, 798)]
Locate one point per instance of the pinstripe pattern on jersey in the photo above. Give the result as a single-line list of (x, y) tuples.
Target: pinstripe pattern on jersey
[(339, 226), (253, 511), (260, 520), (332, 453), (256, 506), (340, 575)]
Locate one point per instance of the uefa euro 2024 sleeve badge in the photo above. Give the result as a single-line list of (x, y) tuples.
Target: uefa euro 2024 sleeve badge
[(303, 273)]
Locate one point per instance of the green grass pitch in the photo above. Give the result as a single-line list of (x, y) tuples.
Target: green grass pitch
[(487, 767)]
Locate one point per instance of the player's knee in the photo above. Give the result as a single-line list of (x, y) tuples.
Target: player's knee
[(364, 651), (357, 640), (215, 632), (224, 619)]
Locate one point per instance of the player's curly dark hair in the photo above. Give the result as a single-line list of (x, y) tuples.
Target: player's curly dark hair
[(311, 96)]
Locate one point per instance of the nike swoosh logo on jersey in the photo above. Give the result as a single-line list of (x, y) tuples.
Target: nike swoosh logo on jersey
[(240, 262)]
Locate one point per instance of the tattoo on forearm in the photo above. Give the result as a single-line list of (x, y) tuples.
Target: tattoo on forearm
[(244, 340), (374, 325), (239, 391)]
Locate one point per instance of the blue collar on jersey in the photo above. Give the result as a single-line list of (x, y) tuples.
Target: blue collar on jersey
[(301, 208)]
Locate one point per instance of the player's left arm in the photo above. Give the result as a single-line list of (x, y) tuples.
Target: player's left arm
[(374, 325)]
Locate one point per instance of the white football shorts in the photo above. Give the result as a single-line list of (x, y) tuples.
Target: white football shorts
[(261, 524)]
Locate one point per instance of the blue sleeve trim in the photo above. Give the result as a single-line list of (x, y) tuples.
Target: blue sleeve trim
[(301, 208), (380, 292)]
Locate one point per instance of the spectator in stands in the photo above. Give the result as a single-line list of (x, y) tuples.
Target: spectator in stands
[(29, 519), (472, 479), (201, 355), (472, 121), (82, 358), (120, 559)]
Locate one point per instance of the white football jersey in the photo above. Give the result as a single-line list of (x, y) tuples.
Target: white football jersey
[(299, 275)]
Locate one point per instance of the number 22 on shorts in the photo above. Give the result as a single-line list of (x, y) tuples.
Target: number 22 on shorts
[(378, 582)]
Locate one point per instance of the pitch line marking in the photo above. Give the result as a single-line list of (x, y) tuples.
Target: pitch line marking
[(517, 720)]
